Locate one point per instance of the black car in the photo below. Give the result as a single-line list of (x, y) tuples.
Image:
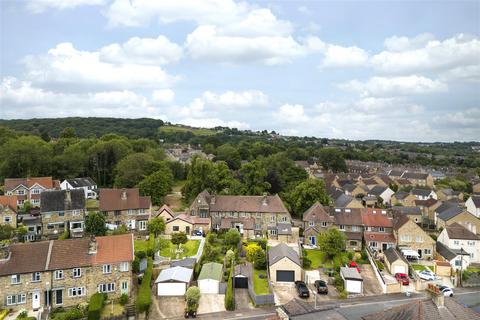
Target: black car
[(321, 286), (302, 289)]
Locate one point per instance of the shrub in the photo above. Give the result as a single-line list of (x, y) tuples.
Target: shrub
[(192, 297), (232, 238), (65, 235), (211, 238), (229, 257), (144, 293), (343, 294), (380, 265), (229, 297), (123, 299), (150, 252), (22, 315), (338, 282), (350, 255), (262, 242), (136, 265), (251, 250), (259, 260), (95, 306), (307, 263), (140, 254), (70, 314)]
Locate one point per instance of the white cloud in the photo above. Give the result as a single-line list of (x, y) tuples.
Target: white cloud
[(148, 51), (338, 56), (232, 99), (258, 22), (395, 86), (163, 96), (291, 114), (39, 6), (399, 44), (465, 118)]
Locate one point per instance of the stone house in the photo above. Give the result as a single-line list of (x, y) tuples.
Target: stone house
[(29, 189), (403, 198), (315, 220), (457, 237), (284, 264), (164, 212), (423, 194), (413, 213), (419, 178), (8, 211), (457, 258), (349, 221), (347, 201), (460, 216), (448, 194), (126, 207), (355, 190), (383, 192), (64, 273), (410, 236), (428, 208), (383, 180), (63, 210), (187, 224), (473, 205)]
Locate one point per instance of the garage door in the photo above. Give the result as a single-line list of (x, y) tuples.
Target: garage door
[(208, 286), (354, 286), (241, 282), (285, 276), (399, 269), (171, 289)]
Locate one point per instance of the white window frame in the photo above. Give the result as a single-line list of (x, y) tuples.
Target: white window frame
[(15, 279), (311, 223), (124, 266), (35, 201), (273, 232), (36, 277), (7, 219), (456, 242), (427, 251), (341, 227), (106, 287), (131, 211), (324, 224), (76, 292), (124, 286), (272, 218), (20, 192), (35, 191), (373, 244), (107, 268), (77, 272), (58, 274), (142, 225)]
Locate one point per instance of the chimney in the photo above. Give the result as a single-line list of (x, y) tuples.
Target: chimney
[(5, 251), (213, 199), (264, 200), (124, 194), (92, 245), (68, 198), (436, 295)]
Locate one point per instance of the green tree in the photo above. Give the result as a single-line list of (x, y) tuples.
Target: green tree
[(253, 176), (158, 184), (232, 238), (179, 238), (259, 260), (230, 155), (332, 159), (6, 231), (156, 226), (134, 168), (282, 173), (104, 156), (304, 195), (21, 232), (251, 250), (192, 296), (332, 242), (68, 132), (95, 224)]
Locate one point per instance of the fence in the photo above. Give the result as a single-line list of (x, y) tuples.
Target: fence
[(258, 299)]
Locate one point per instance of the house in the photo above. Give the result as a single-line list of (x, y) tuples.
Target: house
[(395, 174), (86, 184), (350, 222), (379, 241), (173, 281), (164, 212), (410, 236), (368, 183), (428, 208), (315, 220), (29, 189), (284, 264), (64, 273), (346, 201), (355, 190), (419, 178), (413, 213), (473, 205), (353, 281), (210, 277), (448, 194), (63, 210), (454, 214), (423, 194), (395, 262), (383, 192), (33, 223), (456, 236), (125, 207), (458, 258), (252, 215), (403, 198), (378, 227), (403, 183), (187, 224), (383, 180), (8, 211)]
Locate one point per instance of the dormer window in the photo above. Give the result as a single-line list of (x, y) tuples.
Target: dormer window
[(36, 191)]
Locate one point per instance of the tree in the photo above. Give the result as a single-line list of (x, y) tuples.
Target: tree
[(232, 238), (282, 173), (95, 224), (332, 242), (259, 260), (134, 168), (251, 250), (156, 226), (230, 155), (179, 238), (158, 184), (332, 159), (21, 232), (304, 195), (68, 132), (6, 231), (253, 176), (210, 253), (229, 257), (192, 296), (211, 238)]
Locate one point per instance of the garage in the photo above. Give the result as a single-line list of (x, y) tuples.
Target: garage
[(241, 282), (399, 269), (352, 280), (173, 281), (241, 274), (285, 276), (171, 289), (210, 277), (395, 262)]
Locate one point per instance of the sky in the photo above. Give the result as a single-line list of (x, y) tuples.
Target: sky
[(389, 70)]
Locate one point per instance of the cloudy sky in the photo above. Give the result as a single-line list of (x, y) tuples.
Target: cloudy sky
[(340, 69)]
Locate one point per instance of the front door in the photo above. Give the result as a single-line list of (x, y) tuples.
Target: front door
[(420, 253), (313, 240), (384, 247), (35, 301), (59, 297), (187, 229)]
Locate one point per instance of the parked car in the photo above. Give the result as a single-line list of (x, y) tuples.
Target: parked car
[(402, 278), (427, 275), (447, 291), (197, 233), (353, 264), (302, 289), (321, 286)]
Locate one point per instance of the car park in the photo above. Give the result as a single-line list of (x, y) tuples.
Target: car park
[(427, 275), (321, 286), (402, 278), (302, 289)]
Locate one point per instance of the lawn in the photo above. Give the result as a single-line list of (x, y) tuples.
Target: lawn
[(473, 269), (319, 259), (190, 249), (260, 285), (418, 267), (144, 245), (110, 310), (92, 204)]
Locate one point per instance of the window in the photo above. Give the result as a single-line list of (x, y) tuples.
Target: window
[(283, 219), (458, 263), (419, 239), (36, 191), (373, 244), (355, 228), (75, 212), (36, 201), (311, 223), (259, 215), (50, 226), (124, 266), (427, 251), (406, 237), (142, 225), (141, 211), (61, 213), (16, 299), (106, 287), (131, 211), (368, 228), (7, 219), (77, 272), (117, 212), (21, 192), (471, 243), (273, 232), (58, 274), (76, 225), (381, 229), (35, 276), (20, 202), (107, 268), (472, 255), (231, 214), (76, 292), (242, 214), (258, 226), (341, 227), (272, 218), (124, 286), (176, 228), (456, 242), (324, 224), (16, 279), (353, 243)]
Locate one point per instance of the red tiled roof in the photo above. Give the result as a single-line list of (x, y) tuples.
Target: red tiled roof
[(9, 201), (379, 237), (111, 200), (164, 208), (113, 249), (70, 253), (372, 217), (46, 182), (182, 216), (198, 220), (317, 213), (345, 216)]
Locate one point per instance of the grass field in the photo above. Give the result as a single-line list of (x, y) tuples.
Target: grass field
[(260, 285), (144, 245), (317, 257), (190, 249), (418, 267), (195, 131)]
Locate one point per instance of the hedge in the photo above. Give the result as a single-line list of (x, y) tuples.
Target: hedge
[(229, 295), (95, 306), (144, 297)]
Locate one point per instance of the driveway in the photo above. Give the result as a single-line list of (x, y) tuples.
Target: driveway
[(371, 286), (242, 299), (167, 307), (285, 293), (211, 303)]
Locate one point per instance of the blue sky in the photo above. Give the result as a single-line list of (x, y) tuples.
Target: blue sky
[(405, 71)]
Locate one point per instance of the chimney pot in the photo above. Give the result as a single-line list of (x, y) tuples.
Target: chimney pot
[(92, 246)]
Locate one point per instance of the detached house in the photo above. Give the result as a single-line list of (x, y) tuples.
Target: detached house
[(350, 222), (385, 193), (473, 205), (411, 237), (64, 273), (127, 207), (86, 184), (8, 211), (457, 237), (452, 213), (29, 189), (185, 223), (315, 220)]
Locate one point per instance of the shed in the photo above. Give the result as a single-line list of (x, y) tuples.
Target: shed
[(395, 262), (210, 277), (241, 273), (353, 281), (186, 263), (284, 264), (173, 281)]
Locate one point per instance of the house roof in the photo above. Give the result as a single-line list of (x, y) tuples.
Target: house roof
[(450, 213), (62, 200), (182, 216), (421, 192), (244, 269), (457, 231), (268, 204), (70, 253), (415, 175), (446, 252), (111, 249), (81, 182), (178, 274), (403, 182), (284, 228), (211, 270), (392, 255), (165, 208), (425, 203), (400, 195), (379, 237), (111, 199), (399, 221), (369, 181), (407, 210), (372, 217), (25, 258), (476, 200), (9, 201), (343, 200), (186, 263), (353, 235), (227, 223), (350, 273), (281, 251), (46, 182), (385, 178), (348, 216), (395, 173), (317, 213), (377, 190)]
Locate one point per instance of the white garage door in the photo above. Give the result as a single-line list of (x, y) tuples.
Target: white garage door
[(208, 286), (171, 289), (354, 286), (399, 269)]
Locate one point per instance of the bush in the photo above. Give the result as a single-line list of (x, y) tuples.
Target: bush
[(380, 265), (350, 255), (123, 299), (136, 265), (140, 254), (262, 242), (65, 235), (144, 293), (150, 252), (22, 315), (192, 297), (343, 295), (229, 297), (307, 263), (260, 260), (211, 238), (338, 282), (70, 314), (95, 305)]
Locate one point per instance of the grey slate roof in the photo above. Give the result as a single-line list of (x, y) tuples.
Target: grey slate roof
[(350, 273), (175, 274), (58, 200), (392, 255), (407, 210), (284, 228), (377, 190), (281, 251), (457, 231), (476, 201), (81, 182), (421, 192), (450, 213), (447, 252), (343, 200), (400, 195), (186, 263), (415, 175)]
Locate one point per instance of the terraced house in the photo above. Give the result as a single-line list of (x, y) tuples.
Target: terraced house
[(64, 273), (29, 189), (315, 220), (251, 215), (63, 210), (8, 211)]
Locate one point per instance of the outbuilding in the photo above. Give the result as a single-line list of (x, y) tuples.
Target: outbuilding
[(173, 281), (284, 264), (353, 281), (241, 274), (395, 262), (210, 277)]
